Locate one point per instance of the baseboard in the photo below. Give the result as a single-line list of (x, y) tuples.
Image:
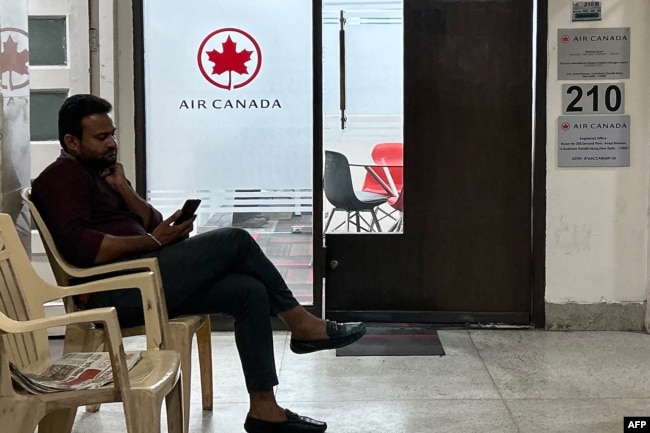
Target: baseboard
[(601, 316), (441, 318)]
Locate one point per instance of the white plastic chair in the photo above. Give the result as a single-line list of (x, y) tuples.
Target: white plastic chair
[(23, 342), (88, 337)]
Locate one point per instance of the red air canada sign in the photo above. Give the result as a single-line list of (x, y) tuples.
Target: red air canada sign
[(229, 58), (14, 58)]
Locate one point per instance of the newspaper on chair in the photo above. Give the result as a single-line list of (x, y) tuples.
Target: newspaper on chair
[(73, 371)]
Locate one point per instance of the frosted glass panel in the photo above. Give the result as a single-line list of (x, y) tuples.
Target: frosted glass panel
[(374, 57), (229, 100), (47, 41), (44, 112), (230, 112)]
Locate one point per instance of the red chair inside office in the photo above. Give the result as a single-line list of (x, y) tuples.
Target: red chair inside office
[(391, 155)]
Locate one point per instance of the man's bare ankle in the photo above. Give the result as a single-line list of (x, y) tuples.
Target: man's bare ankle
[(314, 330), (263, 406), (273, 414)]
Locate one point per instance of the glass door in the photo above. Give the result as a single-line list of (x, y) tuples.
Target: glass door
[(363, 113)]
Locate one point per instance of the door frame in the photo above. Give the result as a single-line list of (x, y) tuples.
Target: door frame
[(538, 235)]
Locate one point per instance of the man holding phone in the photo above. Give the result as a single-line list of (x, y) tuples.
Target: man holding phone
[(188, 210), (96, 217)]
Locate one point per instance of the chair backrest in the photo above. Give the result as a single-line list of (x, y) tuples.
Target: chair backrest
[(22, 296), (337, 181), (391, 154), (61, 268), (67, 274), (386, 154)]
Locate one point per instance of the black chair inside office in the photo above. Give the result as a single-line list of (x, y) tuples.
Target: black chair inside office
[(340, 192)]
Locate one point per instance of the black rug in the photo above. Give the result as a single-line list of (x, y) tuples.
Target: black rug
[(395, 341)]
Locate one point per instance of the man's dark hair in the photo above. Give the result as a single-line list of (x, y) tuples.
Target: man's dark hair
[(74, 109)]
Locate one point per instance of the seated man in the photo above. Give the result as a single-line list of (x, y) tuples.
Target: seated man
[(96, 217)]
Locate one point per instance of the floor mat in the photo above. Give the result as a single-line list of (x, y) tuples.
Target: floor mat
[(395, 341)]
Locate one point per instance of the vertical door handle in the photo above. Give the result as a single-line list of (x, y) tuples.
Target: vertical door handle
[(342, 70)]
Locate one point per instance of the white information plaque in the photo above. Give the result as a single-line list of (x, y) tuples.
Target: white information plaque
[(592, 54), (593, 141)]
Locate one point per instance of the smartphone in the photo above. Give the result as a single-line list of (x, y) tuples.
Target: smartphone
[(187, 211)]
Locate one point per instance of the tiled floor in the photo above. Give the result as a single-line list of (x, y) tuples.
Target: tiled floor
[(489, 381)]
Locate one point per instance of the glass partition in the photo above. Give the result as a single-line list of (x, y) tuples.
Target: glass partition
[(48, 41), (229, 120), (43, 114), (363, 110)]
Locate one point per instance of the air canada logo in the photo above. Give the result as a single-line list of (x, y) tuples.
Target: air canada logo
[(14, 58), (229, 58)]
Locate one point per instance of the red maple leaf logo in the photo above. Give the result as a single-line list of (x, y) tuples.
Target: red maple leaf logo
[(229, 60), (12, 60)]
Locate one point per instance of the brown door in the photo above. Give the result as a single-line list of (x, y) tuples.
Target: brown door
[(466, 252)]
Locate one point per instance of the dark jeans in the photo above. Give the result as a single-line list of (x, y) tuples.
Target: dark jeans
[(220, 271)]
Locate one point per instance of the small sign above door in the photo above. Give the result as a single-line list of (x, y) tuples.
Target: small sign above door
[(586, 11)]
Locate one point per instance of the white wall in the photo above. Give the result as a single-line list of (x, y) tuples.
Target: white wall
[(597, 218)]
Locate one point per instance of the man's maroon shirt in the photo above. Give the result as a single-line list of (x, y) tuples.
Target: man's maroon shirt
[(79, 208)]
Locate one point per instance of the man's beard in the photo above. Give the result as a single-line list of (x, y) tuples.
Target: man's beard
[(98, 164)]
